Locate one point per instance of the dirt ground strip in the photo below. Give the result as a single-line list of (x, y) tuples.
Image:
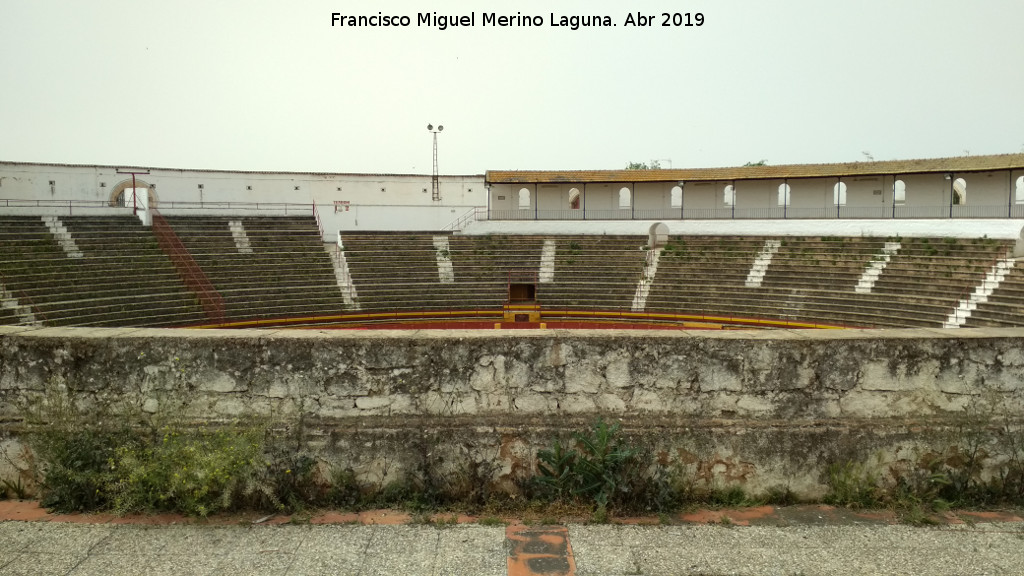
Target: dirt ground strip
[(797, 515)]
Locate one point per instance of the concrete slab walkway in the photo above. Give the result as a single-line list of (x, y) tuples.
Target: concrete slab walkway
[(808, 540)]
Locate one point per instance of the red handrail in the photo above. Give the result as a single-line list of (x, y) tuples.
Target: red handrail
[(193, 276)]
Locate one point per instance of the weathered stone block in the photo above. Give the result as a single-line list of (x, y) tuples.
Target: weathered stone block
[(216, 381), (618, 373), (371, 402), (582, 377), (534, 403)]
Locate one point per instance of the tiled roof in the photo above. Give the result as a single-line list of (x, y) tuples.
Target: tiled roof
[(958, 164)]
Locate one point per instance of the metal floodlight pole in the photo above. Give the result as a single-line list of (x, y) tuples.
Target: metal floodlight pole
[(435, 182)]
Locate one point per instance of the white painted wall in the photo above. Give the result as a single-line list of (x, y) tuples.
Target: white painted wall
[(963, 228), (702, 195), (866, 196), (868, 191), (377, 218), (404, 200), (988, 187)]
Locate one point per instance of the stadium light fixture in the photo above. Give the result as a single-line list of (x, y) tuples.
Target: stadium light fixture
[(435, 182)]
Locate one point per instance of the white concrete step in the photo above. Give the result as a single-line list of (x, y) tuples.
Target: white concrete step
[(241, 236), (442, 252), (23, 312), (63, 236), (874, 268), (643, 287), (958, 317), (760, 267), (342, 275), (547, 262)]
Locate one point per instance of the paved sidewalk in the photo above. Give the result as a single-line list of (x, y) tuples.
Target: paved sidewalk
[(824, 541)]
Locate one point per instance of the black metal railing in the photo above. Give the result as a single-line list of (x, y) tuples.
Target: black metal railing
[(766, 213)]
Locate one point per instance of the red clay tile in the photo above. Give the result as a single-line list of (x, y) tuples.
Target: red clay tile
[(26, 510), (638, 521), (335, 518), (703, 517), (384, 517), (539, 550), (79, 518), (151, 519), (991, 516), (744, 516), (882, 516)]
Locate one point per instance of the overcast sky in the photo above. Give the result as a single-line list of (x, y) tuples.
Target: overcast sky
[(261, 85)]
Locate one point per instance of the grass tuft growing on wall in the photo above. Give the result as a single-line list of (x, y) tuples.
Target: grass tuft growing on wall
[(200, 471)]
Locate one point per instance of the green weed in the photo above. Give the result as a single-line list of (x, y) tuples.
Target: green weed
[(14, 488), (853, 484), (596, 471), (198, 472)]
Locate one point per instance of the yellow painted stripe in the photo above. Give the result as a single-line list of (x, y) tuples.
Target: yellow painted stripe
[(355, 319)]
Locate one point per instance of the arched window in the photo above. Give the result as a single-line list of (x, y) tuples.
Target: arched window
[(729, 196), (677, 197), (959, 191), (574, 199), (784, 190), (524, 198), (1019, 192), (899, 192), (839, 194), (625, 197)]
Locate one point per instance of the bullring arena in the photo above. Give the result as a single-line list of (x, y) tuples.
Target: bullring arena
[(752, 324)]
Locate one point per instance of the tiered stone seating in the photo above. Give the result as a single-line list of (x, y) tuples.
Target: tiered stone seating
[(813, 280), (595, 272), (398, 272), (482, 265), (1005, 306), (930, 275), (31, 262), (7, 317), (287, 274), (828, 263), (705, 276), (122, 278), (809, 280)]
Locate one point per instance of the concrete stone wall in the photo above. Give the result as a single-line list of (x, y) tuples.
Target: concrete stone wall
[(760, 409)]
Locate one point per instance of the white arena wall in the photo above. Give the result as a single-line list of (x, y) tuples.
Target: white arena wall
[(732, 201), (344, 201), (997, 189), (932, 228)]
